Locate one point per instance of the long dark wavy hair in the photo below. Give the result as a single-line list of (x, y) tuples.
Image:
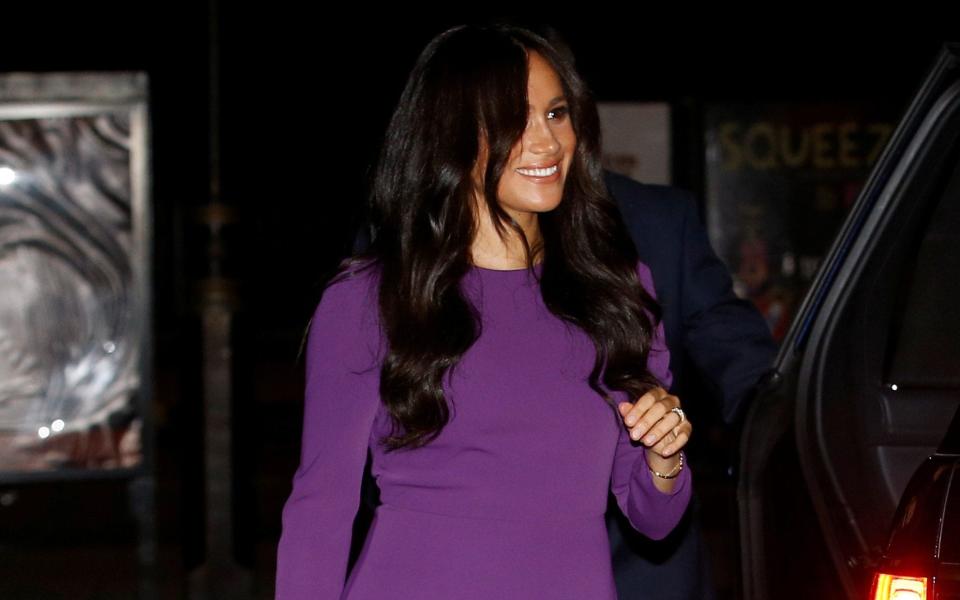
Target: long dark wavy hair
[(471, 81)]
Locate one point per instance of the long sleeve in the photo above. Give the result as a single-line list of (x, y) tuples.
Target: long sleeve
[(649, 510), (725, 336), (340, 402)]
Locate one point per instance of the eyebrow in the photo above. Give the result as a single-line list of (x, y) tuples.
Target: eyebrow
[(552, 101)]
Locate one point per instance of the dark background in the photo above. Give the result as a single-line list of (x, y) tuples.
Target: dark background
[(303, 100)]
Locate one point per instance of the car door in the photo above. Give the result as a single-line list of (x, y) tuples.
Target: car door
[(868, 376)]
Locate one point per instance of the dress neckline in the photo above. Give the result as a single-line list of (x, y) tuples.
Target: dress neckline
[(537, 267)]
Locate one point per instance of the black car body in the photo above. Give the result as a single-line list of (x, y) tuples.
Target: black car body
[(922, 555), (866, 384)]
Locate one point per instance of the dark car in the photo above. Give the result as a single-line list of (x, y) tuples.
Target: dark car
[(865, 388), (922, 557)]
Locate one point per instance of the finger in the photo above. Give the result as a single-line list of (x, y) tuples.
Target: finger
[(656, 411), (683, 433), (664, 425), (676, 439), (676, 445), (661, 446), (639, 407), (648, 420)]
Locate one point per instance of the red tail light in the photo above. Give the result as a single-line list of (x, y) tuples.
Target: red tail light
[(898, 587)]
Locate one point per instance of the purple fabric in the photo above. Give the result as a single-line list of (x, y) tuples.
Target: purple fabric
[(508, 502)]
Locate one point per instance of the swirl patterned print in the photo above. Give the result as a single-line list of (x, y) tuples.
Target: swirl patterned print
[(69, 314)]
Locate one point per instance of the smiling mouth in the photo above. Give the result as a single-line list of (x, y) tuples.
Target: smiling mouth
[(546, 172)]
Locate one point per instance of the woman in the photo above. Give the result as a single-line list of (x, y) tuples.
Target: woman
[(486, 349)]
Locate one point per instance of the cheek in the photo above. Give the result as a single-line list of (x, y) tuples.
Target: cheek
[(570, 144), (570, 155), (508, 181)]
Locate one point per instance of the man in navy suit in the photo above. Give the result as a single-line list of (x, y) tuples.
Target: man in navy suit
[(724, 337), (708, 327)]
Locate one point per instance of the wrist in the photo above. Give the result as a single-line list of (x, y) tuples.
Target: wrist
[(664, 468)]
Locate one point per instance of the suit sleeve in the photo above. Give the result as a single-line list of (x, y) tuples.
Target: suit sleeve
[(649, 510), (725, 336), (340, 403)]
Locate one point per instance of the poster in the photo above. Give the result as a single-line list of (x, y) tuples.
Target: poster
[(636, 140), (780, 179), (74, 274)]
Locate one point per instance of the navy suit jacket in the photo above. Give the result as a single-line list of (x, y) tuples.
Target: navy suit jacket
[(724, 336)]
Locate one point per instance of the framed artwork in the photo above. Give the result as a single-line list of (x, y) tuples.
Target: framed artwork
[(75, 256), (780, 179), (636, 140)]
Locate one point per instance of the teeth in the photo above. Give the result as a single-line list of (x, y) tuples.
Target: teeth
[(539, 172)]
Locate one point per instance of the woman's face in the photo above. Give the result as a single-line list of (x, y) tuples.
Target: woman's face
[(537, 168)]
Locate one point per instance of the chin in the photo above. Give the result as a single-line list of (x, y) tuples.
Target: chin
[(533, 207)]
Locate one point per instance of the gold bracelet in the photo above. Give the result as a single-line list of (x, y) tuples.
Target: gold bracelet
[(669, 475)]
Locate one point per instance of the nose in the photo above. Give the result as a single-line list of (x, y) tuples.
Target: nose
[(540, 139)]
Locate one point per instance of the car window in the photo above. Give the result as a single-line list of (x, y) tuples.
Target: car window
[(950, 536), (925, 350)]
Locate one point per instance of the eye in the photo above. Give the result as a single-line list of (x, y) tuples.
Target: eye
[(560, 112)]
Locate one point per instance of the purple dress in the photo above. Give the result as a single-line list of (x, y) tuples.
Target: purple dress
[(508, 502)]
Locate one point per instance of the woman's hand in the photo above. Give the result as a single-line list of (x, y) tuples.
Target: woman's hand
[(652, 418)]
